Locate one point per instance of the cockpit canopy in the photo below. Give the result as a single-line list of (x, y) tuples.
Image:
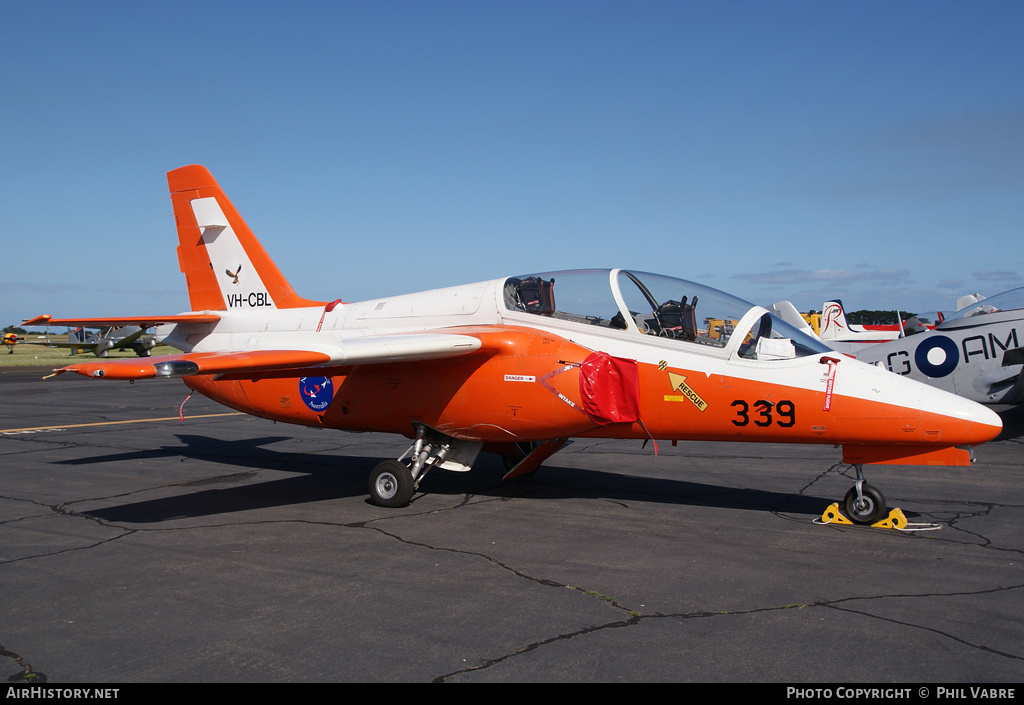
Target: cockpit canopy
[(1006, 301), (661, 306)]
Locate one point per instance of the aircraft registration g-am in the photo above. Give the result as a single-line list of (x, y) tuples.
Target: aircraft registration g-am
[(521, 364)]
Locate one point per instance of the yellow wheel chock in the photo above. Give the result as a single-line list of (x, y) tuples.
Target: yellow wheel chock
[(895, 520), (832, 515)]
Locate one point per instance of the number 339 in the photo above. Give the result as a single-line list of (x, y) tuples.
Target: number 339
[(785, 413)]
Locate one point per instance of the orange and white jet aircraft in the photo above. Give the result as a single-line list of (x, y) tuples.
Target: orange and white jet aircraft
[(521, 364)]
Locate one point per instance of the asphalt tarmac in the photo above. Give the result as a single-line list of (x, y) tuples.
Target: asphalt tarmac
[(136, 547)]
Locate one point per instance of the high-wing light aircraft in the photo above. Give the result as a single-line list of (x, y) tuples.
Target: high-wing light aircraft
[(975, 352), (110, 337), (519, 365)]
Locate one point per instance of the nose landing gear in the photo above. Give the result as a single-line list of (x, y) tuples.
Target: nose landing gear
[(864, 503)]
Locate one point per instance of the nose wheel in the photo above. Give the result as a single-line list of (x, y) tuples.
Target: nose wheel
[(864, 503)]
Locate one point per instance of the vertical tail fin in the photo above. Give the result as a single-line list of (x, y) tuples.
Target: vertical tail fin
[(224, 264), (787, 312), (833, 321), (75, 336)]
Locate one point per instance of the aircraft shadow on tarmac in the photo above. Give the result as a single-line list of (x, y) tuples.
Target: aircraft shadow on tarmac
[(322, 477)]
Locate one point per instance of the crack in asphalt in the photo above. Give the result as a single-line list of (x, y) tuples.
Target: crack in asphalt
[(951, 518), (634, 617), (946, 635), (27, 674), (629, 617)]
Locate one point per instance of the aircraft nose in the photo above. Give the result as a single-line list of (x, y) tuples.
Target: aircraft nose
[(984, 424), (943, 417), (964, 421)]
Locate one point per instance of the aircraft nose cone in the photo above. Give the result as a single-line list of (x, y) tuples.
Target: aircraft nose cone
[(967, 422), (945, 418), (985, 424)]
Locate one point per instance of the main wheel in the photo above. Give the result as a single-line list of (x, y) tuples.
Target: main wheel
[(872, 509), (391, 484)]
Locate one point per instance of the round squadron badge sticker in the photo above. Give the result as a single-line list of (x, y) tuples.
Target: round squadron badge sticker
[(316, 392)]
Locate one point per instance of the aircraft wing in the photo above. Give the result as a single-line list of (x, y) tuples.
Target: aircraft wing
[(356, 351), (128, 339), (121, 321), (61, 343), (114, 342)]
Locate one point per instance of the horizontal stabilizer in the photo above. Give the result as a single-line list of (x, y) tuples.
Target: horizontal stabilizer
[(118, 321), (128, 339), (359, 351), (197, 364), (1013, 357)]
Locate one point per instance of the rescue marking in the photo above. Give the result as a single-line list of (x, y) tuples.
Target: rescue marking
[(832, 364), (679, 384), (327, 309)]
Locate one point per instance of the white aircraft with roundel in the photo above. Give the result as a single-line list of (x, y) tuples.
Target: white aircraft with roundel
[(975, 353), (521, 364)]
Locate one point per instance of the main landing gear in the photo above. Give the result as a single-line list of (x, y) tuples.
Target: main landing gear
[(393, 482), (864, 503)]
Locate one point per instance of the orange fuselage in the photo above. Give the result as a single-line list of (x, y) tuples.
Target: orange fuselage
[(529, 390)]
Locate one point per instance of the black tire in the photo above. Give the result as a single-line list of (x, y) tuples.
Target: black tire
[(391, 485), (872, 510)]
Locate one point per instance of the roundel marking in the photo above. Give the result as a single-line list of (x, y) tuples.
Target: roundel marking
[(937, 356), (316, 392)]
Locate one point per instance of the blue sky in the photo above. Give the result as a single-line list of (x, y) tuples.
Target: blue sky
[(775, 150)]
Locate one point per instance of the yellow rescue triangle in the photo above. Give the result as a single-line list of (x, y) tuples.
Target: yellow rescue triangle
[(679, 384)]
